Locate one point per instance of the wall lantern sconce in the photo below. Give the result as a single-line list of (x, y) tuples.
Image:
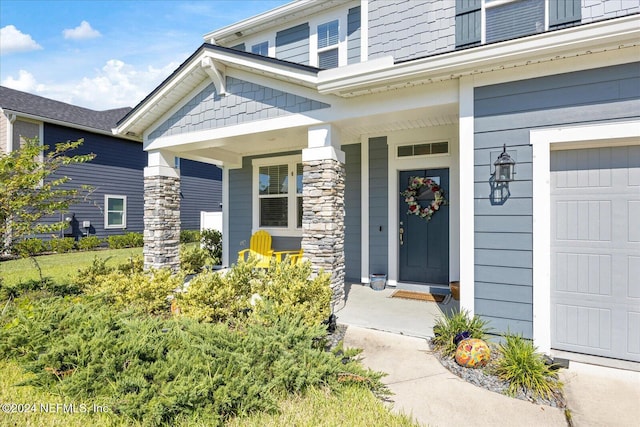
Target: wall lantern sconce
[(505, 166)]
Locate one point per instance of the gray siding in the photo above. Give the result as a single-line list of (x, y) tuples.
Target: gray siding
[(468, 22), (505, 114), (410, 29), (378, 202), (352, 205), (245, 102), (201, 189), (353, 35), (240, 222), (118, 170), (292, 44)]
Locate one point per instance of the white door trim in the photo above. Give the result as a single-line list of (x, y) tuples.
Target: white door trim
[(543, 141)]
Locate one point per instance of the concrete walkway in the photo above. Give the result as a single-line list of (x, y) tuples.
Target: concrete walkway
[(392, 333)]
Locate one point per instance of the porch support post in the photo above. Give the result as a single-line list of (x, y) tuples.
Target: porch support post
[(161, 212), (323, 206)]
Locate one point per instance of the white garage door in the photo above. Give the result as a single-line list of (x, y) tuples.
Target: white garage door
[(595, 251)]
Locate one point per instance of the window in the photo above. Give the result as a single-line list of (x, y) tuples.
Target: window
[(328, 44), (261, 49), (423, 149), (278, 195), (115, 212)]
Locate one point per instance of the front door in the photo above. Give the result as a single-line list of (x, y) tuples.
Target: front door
[(424, 245)]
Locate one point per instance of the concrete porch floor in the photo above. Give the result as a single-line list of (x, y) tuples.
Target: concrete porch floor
[(376, 310)]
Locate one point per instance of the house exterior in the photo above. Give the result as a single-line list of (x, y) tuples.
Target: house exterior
[(116, 203), (321, 113)]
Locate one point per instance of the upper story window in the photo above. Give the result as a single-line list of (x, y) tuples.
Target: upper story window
[(328, 41), (261, 48), (486, 21)]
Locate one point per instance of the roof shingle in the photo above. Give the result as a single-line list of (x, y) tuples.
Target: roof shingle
[(23, 102)]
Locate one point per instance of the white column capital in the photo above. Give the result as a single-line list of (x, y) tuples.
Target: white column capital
[(161, 163), (323, 144)]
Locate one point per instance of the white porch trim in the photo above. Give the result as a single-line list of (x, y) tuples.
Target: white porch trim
[(467, 207), (226, 261), (543, 141)]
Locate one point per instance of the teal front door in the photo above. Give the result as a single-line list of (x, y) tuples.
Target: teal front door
[(424, 245)]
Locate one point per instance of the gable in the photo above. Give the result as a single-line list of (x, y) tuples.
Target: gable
[(244, 102)]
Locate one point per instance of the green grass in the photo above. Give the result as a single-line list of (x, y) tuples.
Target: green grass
[(12, 392), (353, 406), (60, 267)]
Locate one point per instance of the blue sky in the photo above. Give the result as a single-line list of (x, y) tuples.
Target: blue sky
[(106, 54)]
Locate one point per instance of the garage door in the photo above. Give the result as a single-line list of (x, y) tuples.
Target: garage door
[(595, 251)]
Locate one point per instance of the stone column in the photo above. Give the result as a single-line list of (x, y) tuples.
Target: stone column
[(323, 206), (161, 212)]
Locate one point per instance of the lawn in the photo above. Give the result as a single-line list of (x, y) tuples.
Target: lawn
[(155, 347), (60, 267)]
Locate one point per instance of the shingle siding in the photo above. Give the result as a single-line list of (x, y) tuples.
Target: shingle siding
[(505, 114), (245, 102), (410, 29), (596, 10)]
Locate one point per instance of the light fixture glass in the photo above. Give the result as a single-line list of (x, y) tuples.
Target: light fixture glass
[(505, 166)]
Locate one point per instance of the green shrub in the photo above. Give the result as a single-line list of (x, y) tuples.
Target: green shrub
[(89, 243), (30, 247), (524, 368), (285, 288), (447, 327), (212, 242), (192, 260), (87, 276), (135, 264), (129, 240), (146, 291), (189, 236), (62, 245), (157, 371)]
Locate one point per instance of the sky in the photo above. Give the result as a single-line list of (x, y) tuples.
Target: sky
[(106, 54)]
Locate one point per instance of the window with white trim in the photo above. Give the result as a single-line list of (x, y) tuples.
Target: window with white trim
[(328, 39), (115, 211), (278, 195)]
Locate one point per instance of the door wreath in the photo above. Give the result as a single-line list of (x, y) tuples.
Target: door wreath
[(410, 196)]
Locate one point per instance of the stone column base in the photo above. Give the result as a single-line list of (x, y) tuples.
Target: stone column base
[(162, 222)]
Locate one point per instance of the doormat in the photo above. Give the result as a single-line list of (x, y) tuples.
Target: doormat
[(420, 296)]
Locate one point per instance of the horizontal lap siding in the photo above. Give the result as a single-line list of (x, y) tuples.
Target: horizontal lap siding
[(201, 190), (378, 202), (240, 209), (352, 204), (116, 170), (292, 44), (505, 114)]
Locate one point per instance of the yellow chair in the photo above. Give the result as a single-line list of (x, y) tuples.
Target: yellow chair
[(294, 256), (260, 248)]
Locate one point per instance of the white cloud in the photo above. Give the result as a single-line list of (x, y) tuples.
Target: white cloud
[(81, 32), (13, 40), (25, 82), (116, 85)]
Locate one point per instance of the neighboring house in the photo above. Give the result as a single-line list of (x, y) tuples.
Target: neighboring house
[(116, 203), (320, 112)]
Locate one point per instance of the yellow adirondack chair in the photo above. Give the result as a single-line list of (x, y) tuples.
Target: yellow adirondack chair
[(259, 247), (294, 256)]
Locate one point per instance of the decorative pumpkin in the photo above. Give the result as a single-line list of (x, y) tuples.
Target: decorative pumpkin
[(473, 353)]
